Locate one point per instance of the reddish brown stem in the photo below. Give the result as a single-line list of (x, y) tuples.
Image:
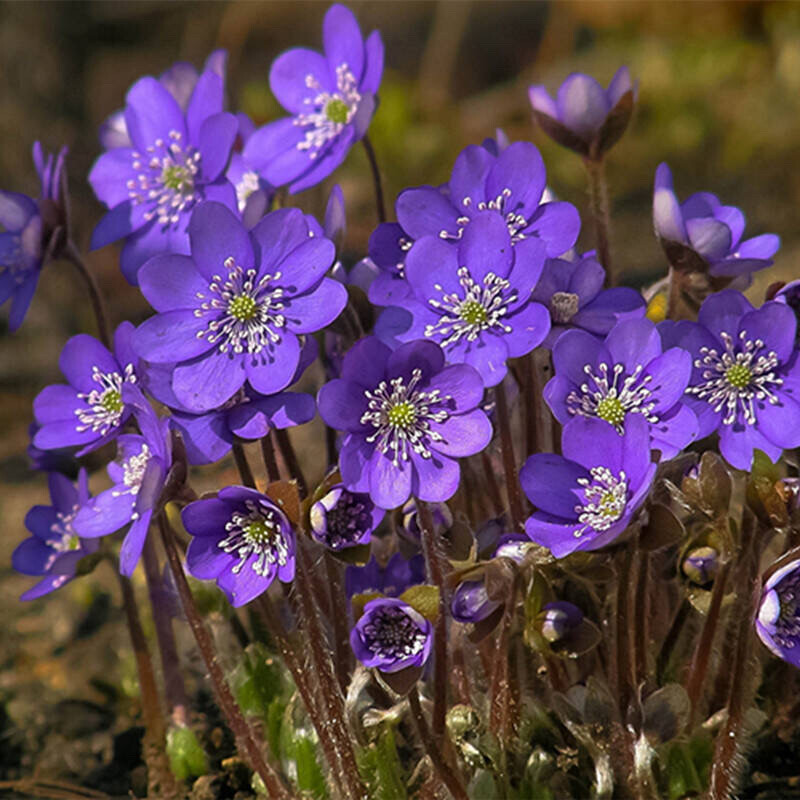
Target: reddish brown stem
[(243, 466), (292, 464), (72, 255), (509, 460)]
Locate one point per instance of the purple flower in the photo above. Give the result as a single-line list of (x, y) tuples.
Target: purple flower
[(702, 234), (627, 374), (572, 290), (440, 514), (343, 519), (209, 436), (32, 232), (233, 311), (253, 193), (90, 410), (778, 620), (391, 635), (473, 299), (585, 117), (407, 420), (242, 540), (54, 550), (587, 497), (746, 375), (331, 98), (558, 619), (790, 296), (138, 474), (176, 157), (509, 186), (391, 580), (701, 565)]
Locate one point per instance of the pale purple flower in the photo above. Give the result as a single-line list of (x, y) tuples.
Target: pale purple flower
[(176, 158), (746, 375), (234, 310), (702, 234), (407, 417), (242, 540), (54, 550), (390, 635), (778, 620), (342, 519), (331, 98), (583, 116), (586, 498)]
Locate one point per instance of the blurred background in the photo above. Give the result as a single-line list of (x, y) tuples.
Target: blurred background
[(719, 87)]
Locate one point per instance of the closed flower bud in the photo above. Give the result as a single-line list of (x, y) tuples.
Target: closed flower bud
[(558, 619), (701, 564)]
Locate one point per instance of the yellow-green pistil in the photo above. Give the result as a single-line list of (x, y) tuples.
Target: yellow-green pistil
[(473, 313), (258, 532), (242, 307), (402, 415), (738, 376), (611, 410), (336, 111), (111, 401), (178, 178)]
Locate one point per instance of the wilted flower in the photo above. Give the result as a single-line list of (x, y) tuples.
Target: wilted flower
[(585, 117), (572, 291), (625, 375), (233, 311), (90, 411), (343, 519), (54, 550), (702, 233), (32, 231), (390, 635), (242, 540), (474, 300), (745, 375), (176, 158), (587, 497), (138, 474), (407, 419), (778, 620), (331, 97)]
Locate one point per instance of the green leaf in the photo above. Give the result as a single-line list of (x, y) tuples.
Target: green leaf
[(187, 759), (257, 681), (424, 599), (309, 775), (380, 768)]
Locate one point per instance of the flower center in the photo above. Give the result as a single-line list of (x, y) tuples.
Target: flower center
[(787, 626), (246, 311), (734, 379), (64, 538), (328, 112), (248, 184), (481, 308), (515, 222), (605, 499), (402, 416), (392, 634), (610, 397), (347, 521), (260, 533), (563, 307), (104, 406), (165, 179)]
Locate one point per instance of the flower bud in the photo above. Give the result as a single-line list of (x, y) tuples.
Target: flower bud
[(558, 619), (700, 565)]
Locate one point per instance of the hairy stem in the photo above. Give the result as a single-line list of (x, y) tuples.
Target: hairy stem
[(509, 460), (245, 741), (72, 255), (270, 462), (292, 464), (599, 209)]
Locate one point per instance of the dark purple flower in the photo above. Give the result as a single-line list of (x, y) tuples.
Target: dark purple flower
[(138, 474), (407, 419), (343, 519), (62, 460), (176, 158), (388, 247), (331, 97), (253, 193), (32, 231), (209, 436), (242, 540), (390, 635), (233, 311), (585, 117), (746, 375), (471, 603), (572, 290), (54, 550), (790, 295), (392, 579), (509, 186), (702, 233), (587, 497), (474, 299), (558, 619), (778, 620), (90, 410), (627, 374)]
